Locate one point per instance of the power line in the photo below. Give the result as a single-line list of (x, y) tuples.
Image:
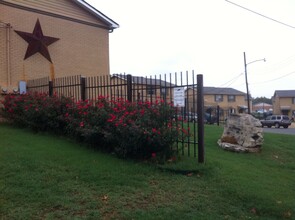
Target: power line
[(279, 65), (272, 19), (275, 78), (231, 81)]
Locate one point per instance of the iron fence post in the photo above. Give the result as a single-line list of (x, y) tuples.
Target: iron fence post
[(83, 88), (50, 84), (218, 113), (129, 88), (200, 110)]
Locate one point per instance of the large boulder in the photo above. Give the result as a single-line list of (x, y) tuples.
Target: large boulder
[(242, 133)]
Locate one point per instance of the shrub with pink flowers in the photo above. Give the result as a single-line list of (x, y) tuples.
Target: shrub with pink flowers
[(142, 130), (86, 121), (37, 111)]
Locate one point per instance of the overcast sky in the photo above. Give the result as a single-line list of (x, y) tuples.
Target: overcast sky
[(207, 36)]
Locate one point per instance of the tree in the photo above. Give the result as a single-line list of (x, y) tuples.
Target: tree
[(261, 99)]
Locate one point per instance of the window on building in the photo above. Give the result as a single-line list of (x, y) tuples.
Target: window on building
[(293, 100), (164, 91), (231, 110), (218, 98), (231, 98), (151, 90)]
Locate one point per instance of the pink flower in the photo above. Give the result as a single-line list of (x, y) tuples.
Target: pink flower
[(81, 124), (113, 117), (142, 111), (100, 105), (154, 155), (185, 131)]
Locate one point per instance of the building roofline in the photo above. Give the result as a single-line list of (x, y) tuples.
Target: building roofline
[(284, 93), (209, 90), (109, 24), (112, 24), (144, 80)]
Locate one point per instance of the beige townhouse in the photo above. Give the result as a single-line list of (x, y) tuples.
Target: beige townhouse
[(284, 102)]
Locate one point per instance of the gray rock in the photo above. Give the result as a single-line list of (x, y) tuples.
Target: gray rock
[(242, 133)]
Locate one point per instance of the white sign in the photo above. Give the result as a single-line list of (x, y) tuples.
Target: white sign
[(22, 87), (179, 99)]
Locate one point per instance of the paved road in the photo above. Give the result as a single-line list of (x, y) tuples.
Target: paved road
[(280, 130)]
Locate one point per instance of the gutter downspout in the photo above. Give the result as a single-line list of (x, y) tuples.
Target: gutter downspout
[(8, 27)]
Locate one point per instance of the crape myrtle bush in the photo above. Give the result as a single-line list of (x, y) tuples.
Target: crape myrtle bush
[(142, 130), (37, 111)]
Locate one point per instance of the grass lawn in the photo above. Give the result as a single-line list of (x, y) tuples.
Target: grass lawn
[(49, 177)]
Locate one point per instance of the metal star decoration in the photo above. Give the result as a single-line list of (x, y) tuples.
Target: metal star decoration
[(37, 42)]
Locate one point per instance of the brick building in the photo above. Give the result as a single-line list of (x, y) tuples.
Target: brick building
[(54, 38), (262, 107), (284, 102), (229, 100)]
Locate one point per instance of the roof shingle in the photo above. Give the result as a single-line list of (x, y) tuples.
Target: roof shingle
[(284, 93), (222, 91)]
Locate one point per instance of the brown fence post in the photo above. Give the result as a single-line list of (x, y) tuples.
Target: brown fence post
[(50, 84), (200, 110), (218, 113), (129, 88), (83, 88)]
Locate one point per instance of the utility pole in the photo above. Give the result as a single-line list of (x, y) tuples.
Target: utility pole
[(246, 77), (247, 89)]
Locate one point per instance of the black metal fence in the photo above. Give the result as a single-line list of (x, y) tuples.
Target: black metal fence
[(190, 109)]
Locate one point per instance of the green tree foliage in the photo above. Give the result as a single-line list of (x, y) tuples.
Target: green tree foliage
[(262, 100)]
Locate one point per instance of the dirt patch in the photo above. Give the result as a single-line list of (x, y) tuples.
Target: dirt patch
[(2, 119), (229, 139)]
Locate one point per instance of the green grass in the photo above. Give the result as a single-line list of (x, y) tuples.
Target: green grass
[(50, 177)]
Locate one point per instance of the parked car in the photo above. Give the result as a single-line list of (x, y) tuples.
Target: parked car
[(210, 119), (276, 121), (260, 115), (191, 117)]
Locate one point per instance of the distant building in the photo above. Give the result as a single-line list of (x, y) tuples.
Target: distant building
[(144, 88), (262, 107), (284, 102), (229, 100)]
